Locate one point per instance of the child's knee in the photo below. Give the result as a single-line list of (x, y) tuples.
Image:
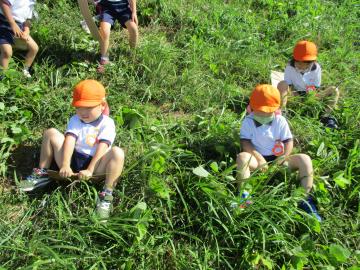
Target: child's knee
[(118, 153), (50, 132), (243, 157), (6, 51), (305, 161), (33, 47), (283, 87)]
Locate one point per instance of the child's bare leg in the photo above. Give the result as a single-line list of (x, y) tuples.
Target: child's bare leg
[(245, 163), (283, 88), (105, 41), (331, 94), (133, 33), (33, 49), (111, 164), (6, 53), (51, 147), (303, 164)]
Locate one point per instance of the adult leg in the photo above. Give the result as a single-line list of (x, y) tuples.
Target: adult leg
[(105, 28), (133, 33), (283, 88), (303, 164), (51, 148), (6, 53), (111, 164)]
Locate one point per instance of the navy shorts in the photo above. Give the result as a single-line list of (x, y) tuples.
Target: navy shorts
[(80, 161), (6, 33), (270, 158), (115, 11)]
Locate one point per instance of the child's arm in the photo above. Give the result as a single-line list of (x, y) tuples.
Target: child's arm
[(288, 147), (132, 4), (247, 146), (100, 151), (26, 32), (68, 149), (4, 5)]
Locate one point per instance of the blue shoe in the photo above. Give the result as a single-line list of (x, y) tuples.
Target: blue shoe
[(309, 207)]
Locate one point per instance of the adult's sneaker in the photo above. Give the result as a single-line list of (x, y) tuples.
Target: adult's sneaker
[(104, 205), (309, 207), (38, 178)]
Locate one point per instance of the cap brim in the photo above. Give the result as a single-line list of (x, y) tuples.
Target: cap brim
[(307, 58), (83, 103), (265, 109)]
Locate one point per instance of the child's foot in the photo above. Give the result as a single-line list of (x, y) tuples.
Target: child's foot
[(329, 122), (309, 207), (26, 73), (104, 205), (243, 202), (85, 27), (102, 64), (38, 178)]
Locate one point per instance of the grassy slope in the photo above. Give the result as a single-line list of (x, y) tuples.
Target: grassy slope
[(178, 103)]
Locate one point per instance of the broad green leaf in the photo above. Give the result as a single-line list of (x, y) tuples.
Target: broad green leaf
[(214, 166), (340, 253), (158, 186), (340, 180), (200, 171), (2, 106)]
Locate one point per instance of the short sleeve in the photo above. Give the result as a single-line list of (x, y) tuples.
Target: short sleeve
[(285, 133), (288, 75), (107, 132), (73, 126), (245, 130)]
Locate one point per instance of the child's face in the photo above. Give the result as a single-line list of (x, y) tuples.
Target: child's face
[(303, 66), (263, 114), (89, 114)]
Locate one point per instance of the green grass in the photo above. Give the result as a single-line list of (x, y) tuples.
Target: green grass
[(178, 102)]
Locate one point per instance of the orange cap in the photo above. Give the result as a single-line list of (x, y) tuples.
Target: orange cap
[(265, 98), (305, 51), (88, 93)]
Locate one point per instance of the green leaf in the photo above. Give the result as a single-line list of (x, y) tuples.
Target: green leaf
[(200, 171), (340, 180), (158, 186), (340, 253), (214, 166), (2, 106)]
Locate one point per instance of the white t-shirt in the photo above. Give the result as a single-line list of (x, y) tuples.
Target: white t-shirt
[(264, 137), (21, 10), (88, 135), (302, 82)]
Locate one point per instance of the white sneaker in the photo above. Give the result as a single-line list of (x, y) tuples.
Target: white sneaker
[(26, 73), (85, 27)]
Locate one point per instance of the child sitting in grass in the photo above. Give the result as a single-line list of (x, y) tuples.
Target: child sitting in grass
[(266, 137), (15, 18), (303, 75), (85, 149), (111, 10)]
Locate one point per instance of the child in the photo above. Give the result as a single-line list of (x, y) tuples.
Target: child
[(303, 75), (85, 149), (266, 137), (125, 12), (15, 18)]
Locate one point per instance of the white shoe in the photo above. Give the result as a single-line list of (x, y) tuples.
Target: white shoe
[(26, 73), (85, 27)]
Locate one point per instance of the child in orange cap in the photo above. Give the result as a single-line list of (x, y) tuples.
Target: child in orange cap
[(85, 148), (266, 137), (303, 75)]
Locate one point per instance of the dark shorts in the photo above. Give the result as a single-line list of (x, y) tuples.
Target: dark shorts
[(270, 158), (79, 162), (6, 33), (111, 12)]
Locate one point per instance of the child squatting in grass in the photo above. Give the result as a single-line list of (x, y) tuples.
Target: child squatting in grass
[(266, 137), (303, 75), (111, 10), (15, 18), (86, 148)]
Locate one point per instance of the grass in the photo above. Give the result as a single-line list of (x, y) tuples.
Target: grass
[(178, 102)]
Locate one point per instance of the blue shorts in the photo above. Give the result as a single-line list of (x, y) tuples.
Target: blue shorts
[(115, 11), (6, 33), (80, 161)]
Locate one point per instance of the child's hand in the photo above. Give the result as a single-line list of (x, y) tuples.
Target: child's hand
[(85, 174), (134, 17), (281, 161), (66, 172), (263, 166), (17, 31)]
